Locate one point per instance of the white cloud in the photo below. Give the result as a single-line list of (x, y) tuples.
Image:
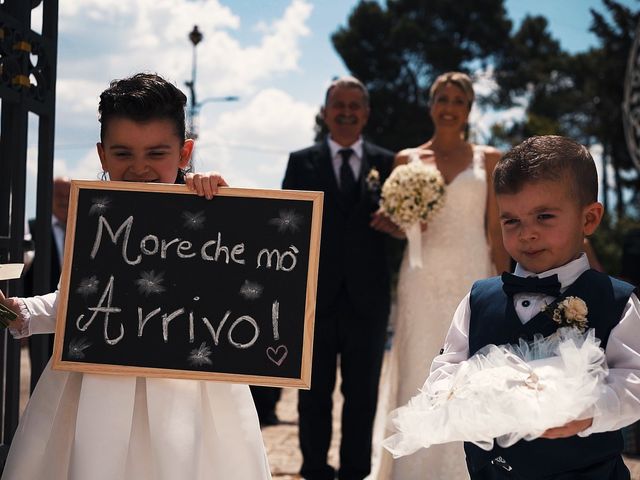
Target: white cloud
[(88, 168), (482, 119), (100, 41), (229, 67), (270, 113), (105, 40), (251, 145)]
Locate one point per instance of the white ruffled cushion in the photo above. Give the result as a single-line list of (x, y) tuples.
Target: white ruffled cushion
[(507, 393)]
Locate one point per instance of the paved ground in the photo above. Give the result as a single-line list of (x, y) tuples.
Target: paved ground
[(281, 441)]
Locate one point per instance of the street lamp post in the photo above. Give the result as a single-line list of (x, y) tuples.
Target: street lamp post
[(195, 36)]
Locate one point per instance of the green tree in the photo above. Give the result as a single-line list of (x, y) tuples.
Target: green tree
[(579, 96), (534, 70), (616, 39), (398, 49)]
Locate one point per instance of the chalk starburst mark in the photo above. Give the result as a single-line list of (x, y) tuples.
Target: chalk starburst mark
[(251, 290), (287, 221), (193, 221), (77, 346), (88, 286), (150, 283), (200, 356), (100, 205)]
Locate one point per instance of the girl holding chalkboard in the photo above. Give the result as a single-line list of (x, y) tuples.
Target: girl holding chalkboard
[(86, 426)]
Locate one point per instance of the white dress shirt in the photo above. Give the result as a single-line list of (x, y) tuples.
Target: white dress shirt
[(619, 403), (355, 162)]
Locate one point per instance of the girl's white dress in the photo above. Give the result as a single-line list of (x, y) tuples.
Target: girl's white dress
[(455, 253), (83, 426)]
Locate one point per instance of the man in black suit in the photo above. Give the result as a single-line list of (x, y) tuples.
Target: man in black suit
[(41, 346), (353, 284)]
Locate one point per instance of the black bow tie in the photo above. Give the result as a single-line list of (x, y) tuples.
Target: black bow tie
[(512, 284)]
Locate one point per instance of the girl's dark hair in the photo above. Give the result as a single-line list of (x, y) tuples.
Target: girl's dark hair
[(142, 98), (548, 157)]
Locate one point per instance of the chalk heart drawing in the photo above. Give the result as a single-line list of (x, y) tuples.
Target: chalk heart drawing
[(277, 355)]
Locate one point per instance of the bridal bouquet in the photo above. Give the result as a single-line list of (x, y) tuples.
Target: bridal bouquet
[(413, 193), (507, 393)]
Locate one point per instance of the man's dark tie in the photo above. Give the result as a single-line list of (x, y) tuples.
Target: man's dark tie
[(347, 178), (512, 284)]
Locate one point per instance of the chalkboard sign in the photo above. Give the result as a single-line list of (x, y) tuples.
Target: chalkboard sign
[(160, 282)]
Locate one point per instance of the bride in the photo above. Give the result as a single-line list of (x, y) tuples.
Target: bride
[(461, 244)]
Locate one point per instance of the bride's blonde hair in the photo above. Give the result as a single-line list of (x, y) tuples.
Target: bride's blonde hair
[(459, 79)]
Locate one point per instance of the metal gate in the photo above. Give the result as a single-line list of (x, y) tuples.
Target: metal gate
[(27, 85)]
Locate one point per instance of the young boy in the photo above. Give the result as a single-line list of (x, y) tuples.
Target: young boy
[(546, 190)]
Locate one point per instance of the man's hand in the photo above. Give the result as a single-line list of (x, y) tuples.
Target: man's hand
[(382, 223), (568, 430)]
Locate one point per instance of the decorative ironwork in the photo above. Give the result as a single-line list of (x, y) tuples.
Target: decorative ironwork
[(25, 62), (27, 85), (631, 102)]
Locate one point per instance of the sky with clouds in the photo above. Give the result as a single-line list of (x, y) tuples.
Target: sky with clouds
[(275, 55)]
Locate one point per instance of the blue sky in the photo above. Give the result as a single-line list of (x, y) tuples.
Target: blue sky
[(276, 55)]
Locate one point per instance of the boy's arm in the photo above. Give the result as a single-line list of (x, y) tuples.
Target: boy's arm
[(619, 403), (456, 347)]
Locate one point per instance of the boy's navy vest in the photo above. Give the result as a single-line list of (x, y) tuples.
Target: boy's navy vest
[(494, 321)]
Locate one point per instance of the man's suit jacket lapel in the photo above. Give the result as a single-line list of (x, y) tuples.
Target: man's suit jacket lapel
[(370, 159), (368, 162)]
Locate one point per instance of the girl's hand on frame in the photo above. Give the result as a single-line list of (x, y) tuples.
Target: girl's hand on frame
[(205, 184)]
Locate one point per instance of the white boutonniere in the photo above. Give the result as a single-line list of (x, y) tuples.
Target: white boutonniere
[(373, 180), (571, 312)]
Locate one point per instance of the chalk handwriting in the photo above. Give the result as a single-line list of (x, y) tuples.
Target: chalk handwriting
[(150, 245), (105, 307), (280, 258), (108, 309)]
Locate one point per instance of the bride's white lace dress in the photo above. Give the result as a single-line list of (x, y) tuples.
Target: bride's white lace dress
[(455, 253)]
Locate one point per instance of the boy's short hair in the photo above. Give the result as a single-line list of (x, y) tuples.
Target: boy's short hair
[(142, 97), (548, 157), (348, 82)]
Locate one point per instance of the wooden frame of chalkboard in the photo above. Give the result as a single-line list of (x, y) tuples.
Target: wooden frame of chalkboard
[(159, 282)]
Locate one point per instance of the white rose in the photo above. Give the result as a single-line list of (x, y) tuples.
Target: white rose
[(575, 309)]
